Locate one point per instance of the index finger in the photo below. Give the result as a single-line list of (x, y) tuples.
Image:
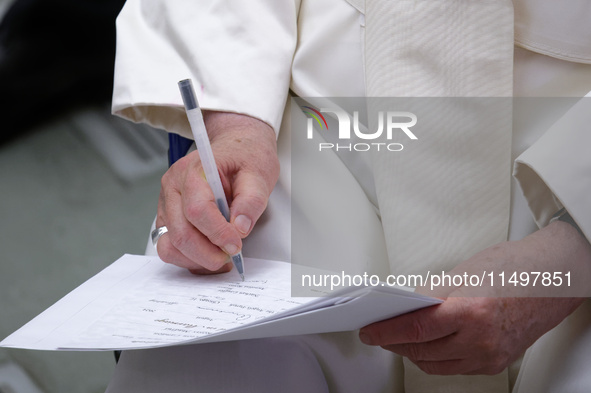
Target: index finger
[(202, 211), (423, 325)]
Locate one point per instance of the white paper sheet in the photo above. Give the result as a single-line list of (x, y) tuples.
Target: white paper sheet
[(141, 302)]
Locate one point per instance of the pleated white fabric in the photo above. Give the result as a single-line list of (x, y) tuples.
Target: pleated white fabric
[(446, 195)]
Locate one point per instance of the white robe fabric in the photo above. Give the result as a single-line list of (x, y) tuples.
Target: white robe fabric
[(243, 57)]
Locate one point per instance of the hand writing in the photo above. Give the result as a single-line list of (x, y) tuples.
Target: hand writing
[(199, 238)]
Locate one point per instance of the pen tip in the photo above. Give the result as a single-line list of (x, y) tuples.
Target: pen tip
[(242, 276)]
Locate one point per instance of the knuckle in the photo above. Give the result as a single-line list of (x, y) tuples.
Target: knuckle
[(258, 201), (165, 252), (170, 176), (417, 332), (165, 180), (479, 310), (220, 234), (178, 239), (196, 211), (414, 352)]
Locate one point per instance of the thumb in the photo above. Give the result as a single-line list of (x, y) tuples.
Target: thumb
[(251, 194)]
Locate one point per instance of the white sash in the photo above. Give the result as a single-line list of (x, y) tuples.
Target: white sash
[(447, 195)]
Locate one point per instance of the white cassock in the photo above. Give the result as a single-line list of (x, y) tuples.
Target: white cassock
[(244, 57)]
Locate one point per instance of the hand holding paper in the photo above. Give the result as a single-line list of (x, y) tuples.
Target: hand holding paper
[(140, 302)]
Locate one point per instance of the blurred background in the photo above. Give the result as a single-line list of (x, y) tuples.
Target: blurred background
[(79, 187)]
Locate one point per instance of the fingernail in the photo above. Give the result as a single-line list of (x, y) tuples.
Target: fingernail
[(243, 223), (365, 338), (231, 249)]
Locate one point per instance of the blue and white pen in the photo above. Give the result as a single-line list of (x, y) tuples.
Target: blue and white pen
[(207, 160)]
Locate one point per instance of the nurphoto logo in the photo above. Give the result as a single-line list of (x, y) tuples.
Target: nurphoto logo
[(393, 123)]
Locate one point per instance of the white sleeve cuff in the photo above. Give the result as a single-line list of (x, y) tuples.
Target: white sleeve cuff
[(238, 55), (555, 172)]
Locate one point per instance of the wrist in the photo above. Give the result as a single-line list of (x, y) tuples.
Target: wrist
[(222, 125), (564, 216)]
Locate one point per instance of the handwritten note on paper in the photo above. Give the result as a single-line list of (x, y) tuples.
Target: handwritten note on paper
[(141, 302), (175, 305)]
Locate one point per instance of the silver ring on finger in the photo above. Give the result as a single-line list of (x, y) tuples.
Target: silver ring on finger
[(157, 234)]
